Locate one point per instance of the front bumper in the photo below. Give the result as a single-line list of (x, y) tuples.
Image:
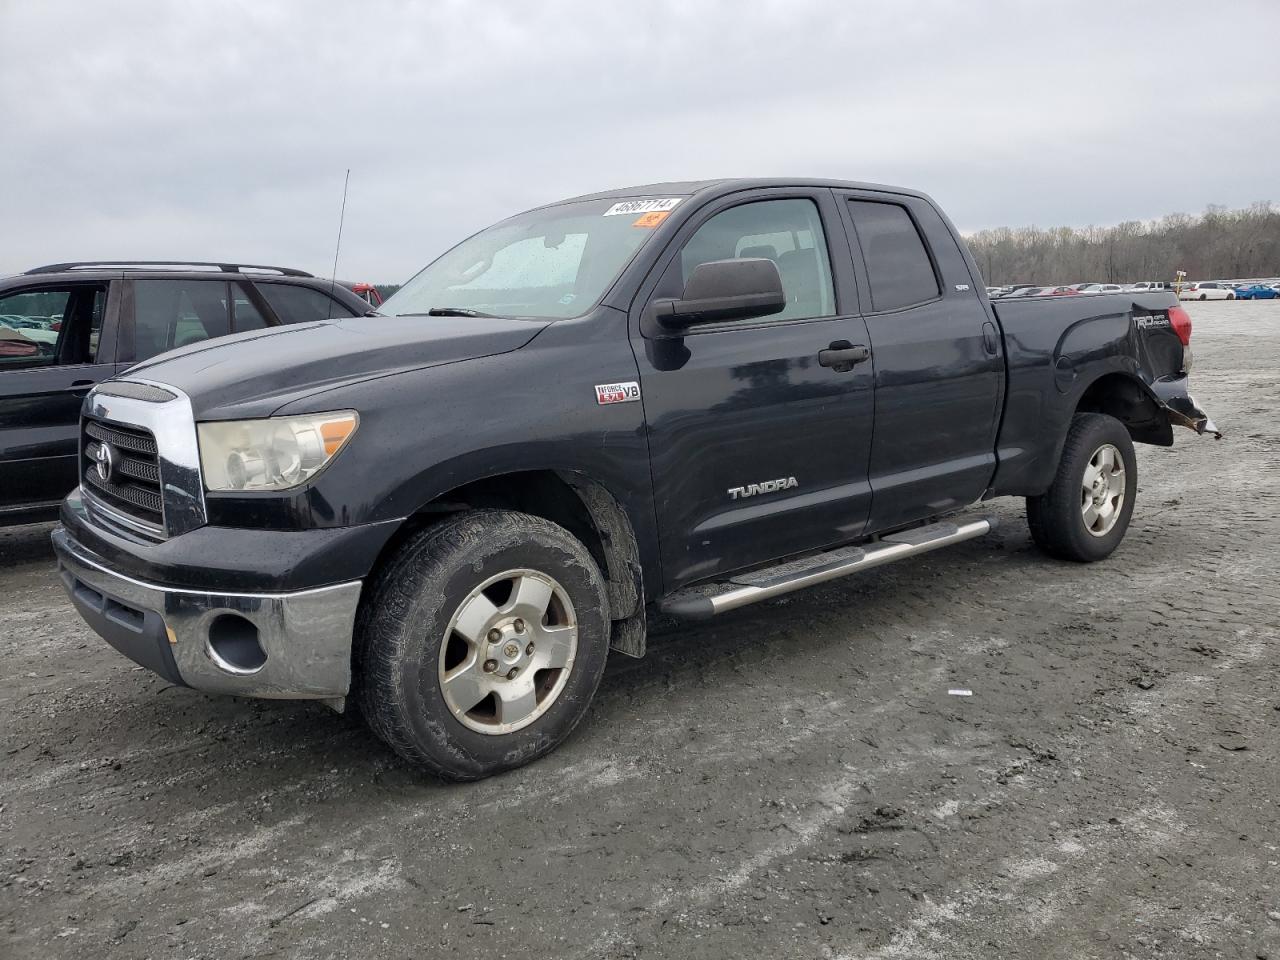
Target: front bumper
[(278, 645)]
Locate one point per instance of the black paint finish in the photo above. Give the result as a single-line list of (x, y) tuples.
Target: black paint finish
[(952, 399)]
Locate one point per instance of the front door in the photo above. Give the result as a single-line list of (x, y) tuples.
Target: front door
[(757, 449), (939, 369), (50, 357)]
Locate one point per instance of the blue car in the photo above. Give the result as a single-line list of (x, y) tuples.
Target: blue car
[(1259, 291)]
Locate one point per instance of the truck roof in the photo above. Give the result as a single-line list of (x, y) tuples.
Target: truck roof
[(685, 188)]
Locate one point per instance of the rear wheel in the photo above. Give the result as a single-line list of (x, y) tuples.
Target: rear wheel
[(482, 643), (1231, 296), (1084, 514), (1204, 296)]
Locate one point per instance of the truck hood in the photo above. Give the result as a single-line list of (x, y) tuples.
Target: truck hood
[(254, 374)]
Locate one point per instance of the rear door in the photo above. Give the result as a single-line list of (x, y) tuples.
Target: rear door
[(56, 341), (757, 449), (939, 369)]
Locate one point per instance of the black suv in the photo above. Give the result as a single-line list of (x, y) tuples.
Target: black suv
[(67, 326)]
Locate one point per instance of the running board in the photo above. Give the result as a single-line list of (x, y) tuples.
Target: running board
[(708, 599)]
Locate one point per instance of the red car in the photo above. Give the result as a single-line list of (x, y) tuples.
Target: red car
[(365, 291)]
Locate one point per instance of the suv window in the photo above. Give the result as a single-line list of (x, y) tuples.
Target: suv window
[(788, 232), (898, 266), (244, 315), (295, 304), (48, 326), (174, 313)]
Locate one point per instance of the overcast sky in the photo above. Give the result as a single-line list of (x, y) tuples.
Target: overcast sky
[(216, 130)]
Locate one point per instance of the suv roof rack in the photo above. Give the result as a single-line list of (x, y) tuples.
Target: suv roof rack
[(147, 264)]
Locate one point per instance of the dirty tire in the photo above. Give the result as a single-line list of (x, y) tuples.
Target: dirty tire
[(1056, 519), (408, 611)]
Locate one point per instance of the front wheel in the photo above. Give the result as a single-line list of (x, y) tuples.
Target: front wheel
[(482, 643), (1231, 296), (1084, 514)]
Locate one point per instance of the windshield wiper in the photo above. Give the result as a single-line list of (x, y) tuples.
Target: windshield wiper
[(449, 312)]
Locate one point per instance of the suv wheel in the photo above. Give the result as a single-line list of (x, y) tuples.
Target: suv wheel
[(482, 643), (1084, 514)]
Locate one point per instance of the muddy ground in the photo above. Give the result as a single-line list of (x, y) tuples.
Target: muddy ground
[(790, 781)]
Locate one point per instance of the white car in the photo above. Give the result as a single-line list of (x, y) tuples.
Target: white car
[(1101, 288), (1207, 290), (1149, 286)]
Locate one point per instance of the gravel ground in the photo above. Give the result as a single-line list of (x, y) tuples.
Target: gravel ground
[(789, 781)]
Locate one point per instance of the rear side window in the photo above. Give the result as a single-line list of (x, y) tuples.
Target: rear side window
[(294, 304), (175, 313), (898, 265), (244, 315)]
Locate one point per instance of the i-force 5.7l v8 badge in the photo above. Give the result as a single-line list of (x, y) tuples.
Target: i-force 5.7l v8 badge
[(617, 392)]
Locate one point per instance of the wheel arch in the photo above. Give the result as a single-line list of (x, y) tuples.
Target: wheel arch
[(583, 506), (1124, 396)]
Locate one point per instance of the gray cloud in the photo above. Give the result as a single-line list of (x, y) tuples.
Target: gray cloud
[(222, 130)]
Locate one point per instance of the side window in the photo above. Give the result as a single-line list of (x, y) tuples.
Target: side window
[(43, 327), (898, 266), (788, 232), (30, 325), (244, 315), (296, 304), (174, 313)]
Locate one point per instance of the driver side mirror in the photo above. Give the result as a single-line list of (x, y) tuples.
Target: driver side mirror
[(737, 289)]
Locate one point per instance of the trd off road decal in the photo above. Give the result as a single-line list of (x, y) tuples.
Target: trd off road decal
[(617, 392), (1153, 320)]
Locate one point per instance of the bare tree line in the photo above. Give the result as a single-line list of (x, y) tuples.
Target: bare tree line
[(1220, 244)]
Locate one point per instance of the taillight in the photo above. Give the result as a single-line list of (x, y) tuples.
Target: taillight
[(1180, 320)]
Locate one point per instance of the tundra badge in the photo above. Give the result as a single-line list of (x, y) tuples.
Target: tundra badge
[(768, 486)]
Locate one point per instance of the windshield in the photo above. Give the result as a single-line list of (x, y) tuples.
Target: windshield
[(551, 263)]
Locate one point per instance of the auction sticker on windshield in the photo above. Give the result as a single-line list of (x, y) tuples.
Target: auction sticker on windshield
[(651, 220), (641, 206)]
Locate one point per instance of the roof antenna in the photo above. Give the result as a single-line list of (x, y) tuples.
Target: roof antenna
[(333, 279)]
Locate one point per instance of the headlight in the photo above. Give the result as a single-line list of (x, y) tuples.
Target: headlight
[(272, 454)]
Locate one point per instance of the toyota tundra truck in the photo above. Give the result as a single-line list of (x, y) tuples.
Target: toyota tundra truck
[(685, 397)]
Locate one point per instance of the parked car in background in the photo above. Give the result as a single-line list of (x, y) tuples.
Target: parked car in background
[(1059, 292), (67, 326), (1100, 288), (1207, 290), (365, 291), (1024, 291), (1149, 286), (1259, 291)]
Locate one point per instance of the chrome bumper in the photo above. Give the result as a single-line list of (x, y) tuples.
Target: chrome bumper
[(303, 638)]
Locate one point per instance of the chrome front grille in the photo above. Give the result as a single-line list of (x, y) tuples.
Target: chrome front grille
[(139, 459), (131, 484)]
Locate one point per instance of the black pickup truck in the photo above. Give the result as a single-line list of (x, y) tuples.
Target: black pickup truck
[(687, 396)]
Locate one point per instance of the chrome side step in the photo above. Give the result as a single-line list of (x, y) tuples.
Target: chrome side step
[(706, 600)]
